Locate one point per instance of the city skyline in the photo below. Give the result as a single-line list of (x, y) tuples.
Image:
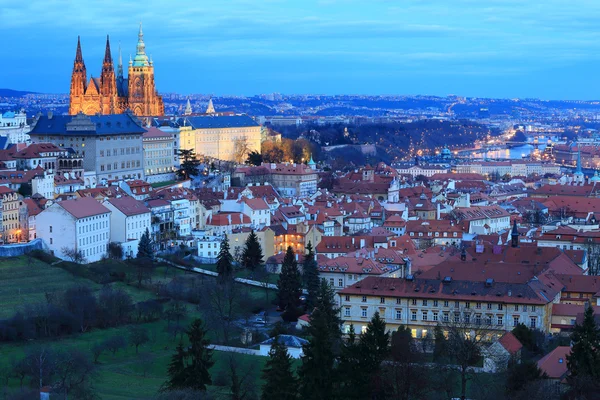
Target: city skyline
[(501, 49)]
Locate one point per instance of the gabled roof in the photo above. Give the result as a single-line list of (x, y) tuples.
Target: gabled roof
[(128, 205), (554, 364), (510, 343), (83, 207)]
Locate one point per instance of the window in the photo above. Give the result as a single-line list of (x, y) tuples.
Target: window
[(398, 314), (456, 304), (489, 306), (398, 301), (347, 298), (467, 318), (516, 307), (330, 281), (382, 300), (50, 228), (340, 282), (435, 303), (488, 319), (524, 307), (532, 322), (363, 313), (435, 316), (456, 317), (445, 303), (445, 317), (364, 299), (424, 303), (499, 306), (478, 319), (478, 305), (424, 315), (347, 312), (414, 302), (413, 315), (500, 321), (532, 308), (515, 321), (467, 304)]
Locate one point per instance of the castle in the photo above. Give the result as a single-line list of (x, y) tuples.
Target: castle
[(110, 94)]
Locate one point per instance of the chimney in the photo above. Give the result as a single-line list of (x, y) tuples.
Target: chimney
[(353, 240), (50, 114), (362, 243)]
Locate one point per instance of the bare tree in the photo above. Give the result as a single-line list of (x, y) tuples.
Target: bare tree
[(593, 257), (74, 255), (240, 150), (242, 378)]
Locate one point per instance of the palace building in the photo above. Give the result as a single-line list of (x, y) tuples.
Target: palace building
[(110, 94)]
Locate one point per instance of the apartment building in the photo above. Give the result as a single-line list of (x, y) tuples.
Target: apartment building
[(158, 155), (129, 220)]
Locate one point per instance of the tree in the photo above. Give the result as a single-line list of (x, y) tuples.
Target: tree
[(584, 360), (280, 382), (240, 149), (177, 370), (138, 336), (440, 349), (97, 350), (242, 379), (520, 375), (310, 275), (375, 343), (115, 343), (115, 251), (527, 337), (73, 373), (82, 305), (252, 256), (146, 247), (224, 262), (25, 189), (200, 357), (318, 374), (74, 255), (189, 166), (254, 158), (144, 267), (289, 286)]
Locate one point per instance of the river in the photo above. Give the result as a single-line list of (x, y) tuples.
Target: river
[(515, 153)]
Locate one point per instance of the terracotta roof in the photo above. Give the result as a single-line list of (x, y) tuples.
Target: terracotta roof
[(580, 283), (6, 190), (222, 219), (34, 150), (256, 204), (510, 343), (554, 364), (156, 133), (129, 206), (32, 207), (83, 207)]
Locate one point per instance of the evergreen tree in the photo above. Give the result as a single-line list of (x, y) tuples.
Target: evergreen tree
[(289, 285), (353, 383), (145, 246), (520, 375), (252, 256), (280, 382), (584, 359), (200, 357), (440, 349), (318, 373), (375, 342), (189, 166), (224, 262), (177, 370), (311, 277)]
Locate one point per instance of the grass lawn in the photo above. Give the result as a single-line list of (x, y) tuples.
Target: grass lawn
[(125, 375), (161, 184)]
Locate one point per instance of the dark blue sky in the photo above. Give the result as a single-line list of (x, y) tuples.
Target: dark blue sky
[(486, 48)]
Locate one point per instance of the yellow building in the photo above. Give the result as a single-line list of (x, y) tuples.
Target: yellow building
[(14, 216), (223, 137), (237, 239)]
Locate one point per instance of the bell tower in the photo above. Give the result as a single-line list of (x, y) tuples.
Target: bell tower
[(108, 84), (78, 82)]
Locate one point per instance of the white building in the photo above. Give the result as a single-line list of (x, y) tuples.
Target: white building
[(158, 155), (129, 220), (14, 127), (82, 224), (257, 209), (182, 217), (209, 247)]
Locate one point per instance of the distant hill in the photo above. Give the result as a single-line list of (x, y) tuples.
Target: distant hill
[(14, 93)]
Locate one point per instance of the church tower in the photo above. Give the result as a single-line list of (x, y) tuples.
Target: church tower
[(108, 84), (143, 97), (78, 82)]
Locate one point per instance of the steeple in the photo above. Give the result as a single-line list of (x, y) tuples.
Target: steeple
[(188, 108), (120, 65), (141, 59), (514, 235), (578, 175), (78, 55), (211, 108), (107, 55), (78, 81)]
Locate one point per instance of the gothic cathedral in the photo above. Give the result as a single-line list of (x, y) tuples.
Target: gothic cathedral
[(110, 95)]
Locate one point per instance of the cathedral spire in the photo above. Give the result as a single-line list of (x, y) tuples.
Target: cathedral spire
[(141, 59), (211, 108), (188, 108), (78, 55), (107, 55), (120, 65)]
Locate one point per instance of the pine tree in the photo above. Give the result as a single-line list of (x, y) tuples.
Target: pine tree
[(189, 166), (280, 382), (375, 343), (318, 373), (440, 349), (352, 384), (289, 285), (252, 256), (584, 359), (200, 357), (310, 276), (224, 262), (145, 246), (177, 370)]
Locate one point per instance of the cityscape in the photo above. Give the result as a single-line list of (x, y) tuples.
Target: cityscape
[(159, 243)]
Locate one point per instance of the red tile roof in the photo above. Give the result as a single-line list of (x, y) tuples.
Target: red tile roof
[(510, 343), (222, 219), (83, 207), (554, 364), (129, 206)]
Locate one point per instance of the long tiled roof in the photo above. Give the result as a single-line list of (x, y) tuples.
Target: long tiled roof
[(214, 122), (83, 207), (114, 124)]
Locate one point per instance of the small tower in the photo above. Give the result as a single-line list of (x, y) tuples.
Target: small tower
[(78, 82), (188, 108), (211, 108), (312, 164), (578, 176), (108, 84), (514, 236)]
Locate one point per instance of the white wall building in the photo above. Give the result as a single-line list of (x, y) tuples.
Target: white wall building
[(129, 220), (82, 224), (14, 127)]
